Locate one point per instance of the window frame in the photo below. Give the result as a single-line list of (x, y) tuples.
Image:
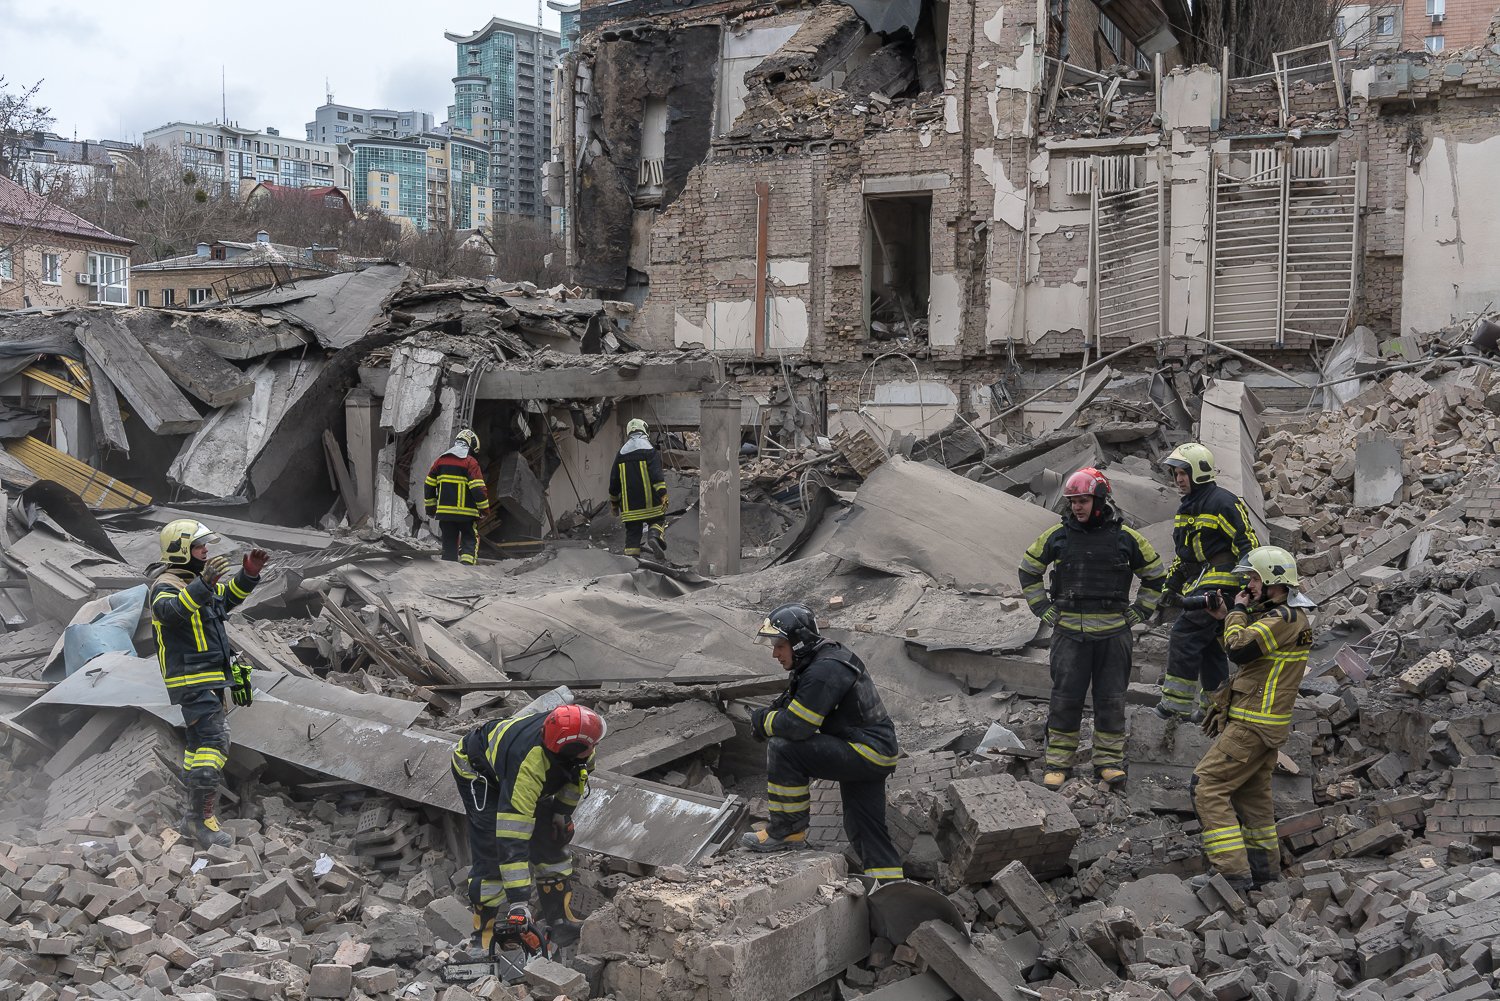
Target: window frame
[(169, 297), (1385, 25), (51, 269), (1427, 43), (197, 296), (143, 297)]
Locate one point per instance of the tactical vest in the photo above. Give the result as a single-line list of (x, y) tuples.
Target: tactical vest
[(1094, 573)]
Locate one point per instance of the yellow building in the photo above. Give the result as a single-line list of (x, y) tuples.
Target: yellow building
[(51, 257)]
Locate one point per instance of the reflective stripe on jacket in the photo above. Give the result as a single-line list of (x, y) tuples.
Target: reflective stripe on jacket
[(1051, 547), (636, 483), (187, 616), (1211, 532), (455, 488), (834, 694), (508, 755), (1270, 643)]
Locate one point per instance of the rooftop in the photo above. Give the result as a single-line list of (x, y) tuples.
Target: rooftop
[(24, 210)]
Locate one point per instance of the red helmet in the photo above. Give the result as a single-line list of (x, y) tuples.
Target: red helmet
[(572, 731), (1087, 482)]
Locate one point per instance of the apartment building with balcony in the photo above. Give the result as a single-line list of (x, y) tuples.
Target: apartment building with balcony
[(423, 181), (338, 123), (223, 155)]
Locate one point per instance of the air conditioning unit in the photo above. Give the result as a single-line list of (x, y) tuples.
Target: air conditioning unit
[(1437, 19), (84, 278)]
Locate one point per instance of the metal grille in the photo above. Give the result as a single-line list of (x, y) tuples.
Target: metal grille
[(1121, 172), (1127, 263), (1283, 253)]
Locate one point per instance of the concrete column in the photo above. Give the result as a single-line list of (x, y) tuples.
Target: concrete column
[(719, 483), (74, 430), (362, 441)]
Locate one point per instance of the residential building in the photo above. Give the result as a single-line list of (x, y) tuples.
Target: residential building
[(338, 123), (424, 180), (225, 154), (329, 197), (215, 271), (51, 257), (46, 161), (502, 95), (568, 30)]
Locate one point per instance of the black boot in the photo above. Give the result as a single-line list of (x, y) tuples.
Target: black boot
[(557, 910), (201, 822), (1262, 871)]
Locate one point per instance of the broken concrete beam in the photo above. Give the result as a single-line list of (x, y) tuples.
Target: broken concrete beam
[(973, 975), (826, 39), (108, 343), (643, 739), (204, 374), (997, 820)]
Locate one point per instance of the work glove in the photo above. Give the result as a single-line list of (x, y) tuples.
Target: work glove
[(239, 674), (562, 829), (1171, 599), (214, 568), (1214, 720), (614, 507), (255, 561), (1049, 616), (758, 723)]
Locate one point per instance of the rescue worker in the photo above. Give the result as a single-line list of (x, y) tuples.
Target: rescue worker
[(638, 491), (1211, 532), (191, 594), (828, 724), (1268, 635), (520, 779), (456, 498), (1093, 556)]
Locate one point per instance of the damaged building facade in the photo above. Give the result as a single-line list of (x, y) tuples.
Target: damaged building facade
[(997, 181)]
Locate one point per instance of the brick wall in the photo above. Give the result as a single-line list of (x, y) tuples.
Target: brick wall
[(1465, 23), (182, 281)]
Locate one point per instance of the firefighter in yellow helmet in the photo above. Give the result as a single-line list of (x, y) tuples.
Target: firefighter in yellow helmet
[(638, 491), (1211, 532), (1268, 634), (191, 595)]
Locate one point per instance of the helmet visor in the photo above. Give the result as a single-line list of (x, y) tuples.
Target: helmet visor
[(769, 633)]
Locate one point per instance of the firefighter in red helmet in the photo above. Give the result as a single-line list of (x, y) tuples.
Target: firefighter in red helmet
[(1093, 556), (520, 780)]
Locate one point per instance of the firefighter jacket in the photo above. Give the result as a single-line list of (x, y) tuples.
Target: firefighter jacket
[(1092, 566), (508, 756), (1269, 642), (637, 487), (834, 694), (1211, 531), (187, 616), (455, 488)]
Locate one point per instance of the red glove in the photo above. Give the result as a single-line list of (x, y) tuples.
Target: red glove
[(255, 561)]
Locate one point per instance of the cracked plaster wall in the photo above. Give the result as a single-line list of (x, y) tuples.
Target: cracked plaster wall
[(1451, 260)]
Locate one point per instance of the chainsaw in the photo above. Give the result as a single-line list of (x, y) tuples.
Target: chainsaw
[(511, 947)]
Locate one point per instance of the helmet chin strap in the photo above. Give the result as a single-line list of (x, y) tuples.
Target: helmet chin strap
[(194, 565)]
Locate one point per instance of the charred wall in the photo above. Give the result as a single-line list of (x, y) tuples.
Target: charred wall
[(678, 66)]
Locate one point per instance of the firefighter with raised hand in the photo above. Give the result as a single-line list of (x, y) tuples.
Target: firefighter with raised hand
[(638, 491), (1094, 557), (1268, 634), (191, 595), (1211, 532), (456, 498), (828, 724), (520, 779)]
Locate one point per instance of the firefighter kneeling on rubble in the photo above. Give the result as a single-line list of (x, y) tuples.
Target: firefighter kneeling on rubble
[(520, 779), (1093, 555), (191, 595), (1267, 634), (828, 724)]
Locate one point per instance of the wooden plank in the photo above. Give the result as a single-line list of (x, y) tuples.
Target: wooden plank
[(261, 655), (154, 397), (97, 489), (202, 373), (453, 656), (1086, 395), (109, 423), (63, 386)]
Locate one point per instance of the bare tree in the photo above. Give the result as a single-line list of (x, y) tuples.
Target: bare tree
[(303, 218), (1251, 29), (23, 122), (526, 250), (165, 208)]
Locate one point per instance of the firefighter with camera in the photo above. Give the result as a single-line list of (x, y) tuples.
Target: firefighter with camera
[(1211, 533)]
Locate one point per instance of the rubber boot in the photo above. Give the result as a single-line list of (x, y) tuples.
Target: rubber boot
[(484, 932), (1111, 775), (1055, 778), (1261, 869), (557, 910), (202, 823), (765, 841), (656, 540)]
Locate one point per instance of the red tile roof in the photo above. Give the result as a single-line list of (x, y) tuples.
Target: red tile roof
[(24, 210)]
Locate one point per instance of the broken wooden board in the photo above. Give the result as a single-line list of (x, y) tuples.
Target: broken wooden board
[(109, 343), (643, 739), (97, 489), (104, 412), (454, 657), (202, 373)]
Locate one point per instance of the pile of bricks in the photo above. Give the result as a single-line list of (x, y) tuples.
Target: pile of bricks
[(991, 821)]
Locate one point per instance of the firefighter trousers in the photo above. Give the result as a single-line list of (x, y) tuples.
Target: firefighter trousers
[(548, 857), (1232, 797), (1196, 662), (1078, 664), (635, 529), (206, 742), (791, 764), (460, 541)]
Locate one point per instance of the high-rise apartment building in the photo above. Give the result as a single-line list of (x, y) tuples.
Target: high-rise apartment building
[(502, 95), (424, 180), (225, 154), (336, 123), (568, 29)]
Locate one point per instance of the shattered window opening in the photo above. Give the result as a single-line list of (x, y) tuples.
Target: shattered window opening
[(898, 266)]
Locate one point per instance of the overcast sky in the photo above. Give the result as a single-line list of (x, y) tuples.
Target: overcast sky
[(114, 70)]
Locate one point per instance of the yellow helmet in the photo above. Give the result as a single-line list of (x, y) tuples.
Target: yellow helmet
[(179, 537), (1195, 458), (469, 438), (635, 425), (1273, 564)]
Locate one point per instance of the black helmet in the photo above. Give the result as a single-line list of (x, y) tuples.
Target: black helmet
[(795, 623)]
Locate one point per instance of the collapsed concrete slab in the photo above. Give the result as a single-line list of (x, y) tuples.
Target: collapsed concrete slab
[(739, 929)]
